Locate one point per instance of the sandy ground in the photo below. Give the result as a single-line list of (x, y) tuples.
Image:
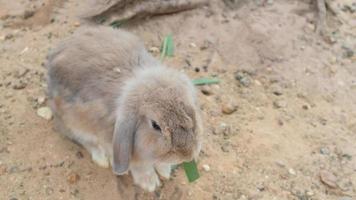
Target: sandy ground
[(293, 135)]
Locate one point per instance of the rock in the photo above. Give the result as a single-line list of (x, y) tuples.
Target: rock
[(18, 84), (276, 90), (9, 36), (79, 155), (21, 72), (206, 168), (41, 100), (324, 151), (291, 171), (117, 70), (280, 164), (45, 113), (348, 52), (225, 147), (153, 49), (243, 78), (76, 24), (193, 45), (328, 179), (280, 104), (206, 89), (223, 129), (73, 178), (228, 108), (206, 44), (309, 193), (28, 13)]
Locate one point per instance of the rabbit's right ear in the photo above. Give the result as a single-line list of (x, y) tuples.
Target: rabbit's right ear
[(123, 142)]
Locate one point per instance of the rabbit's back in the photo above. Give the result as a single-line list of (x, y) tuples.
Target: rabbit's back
[(94, 62)]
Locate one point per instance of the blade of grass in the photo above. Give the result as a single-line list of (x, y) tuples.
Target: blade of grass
[(167, 48), (203, 81), (191, 171), (117, 23)]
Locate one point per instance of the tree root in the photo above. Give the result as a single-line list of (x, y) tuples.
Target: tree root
[(122, 10)]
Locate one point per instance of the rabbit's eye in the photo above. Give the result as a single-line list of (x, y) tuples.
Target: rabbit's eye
[(155, 126)]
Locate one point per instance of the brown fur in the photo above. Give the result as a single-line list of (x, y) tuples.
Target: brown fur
[(105, 90)]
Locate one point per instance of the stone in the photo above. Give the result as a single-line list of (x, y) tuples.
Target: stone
[(41, 100), (21, 72), (277, 90), (243, 78), (206, 168), (73, 178), (18, 84), (228, 108), (279, 104), (291, 171), (206, 90), (153, 49), (28, 13), (45, 113), (324, 151), (327, 178)]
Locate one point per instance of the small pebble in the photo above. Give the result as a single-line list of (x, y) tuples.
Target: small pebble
[(280, 164), (276, 90), (28, 13), (41, 100), (76, 24), (153, 49), (22, 72), (280, 104), (206, 89), (225, 147), (206, 168), (310, 193), (45, 113), (193, 45), (228, 108), (243, 78), (328, 179), (73, 178), (292, 171), (324, 151), (79, 155), (18, 84)]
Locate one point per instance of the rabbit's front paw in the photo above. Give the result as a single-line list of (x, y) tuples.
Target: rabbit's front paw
[(146, 179), (99, 157), (164, 170)]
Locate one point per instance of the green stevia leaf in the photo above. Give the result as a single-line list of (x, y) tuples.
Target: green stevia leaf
[(191, 171), (167, 48), (203, 81)]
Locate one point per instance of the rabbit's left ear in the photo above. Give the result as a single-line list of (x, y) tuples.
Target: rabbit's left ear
[(123, 142)]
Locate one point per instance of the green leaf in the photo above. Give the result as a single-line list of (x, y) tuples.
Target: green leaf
[(167, 48), (203, 81), (117, 23), (191, 171)]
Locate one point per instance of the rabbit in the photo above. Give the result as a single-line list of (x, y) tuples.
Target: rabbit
[(128, 110)]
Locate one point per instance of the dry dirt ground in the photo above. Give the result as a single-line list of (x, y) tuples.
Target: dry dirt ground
[(293, 135)]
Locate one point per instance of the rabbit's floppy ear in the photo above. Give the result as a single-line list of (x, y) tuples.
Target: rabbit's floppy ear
[(123, 141)]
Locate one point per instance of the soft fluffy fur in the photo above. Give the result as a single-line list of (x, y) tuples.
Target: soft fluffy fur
[(106, 90)]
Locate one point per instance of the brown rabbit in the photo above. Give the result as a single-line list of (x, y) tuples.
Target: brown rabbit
[(128, 110)]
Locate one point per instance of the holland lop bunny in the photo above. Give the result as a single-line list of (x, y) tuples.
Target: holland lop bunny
[(129, 111)]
